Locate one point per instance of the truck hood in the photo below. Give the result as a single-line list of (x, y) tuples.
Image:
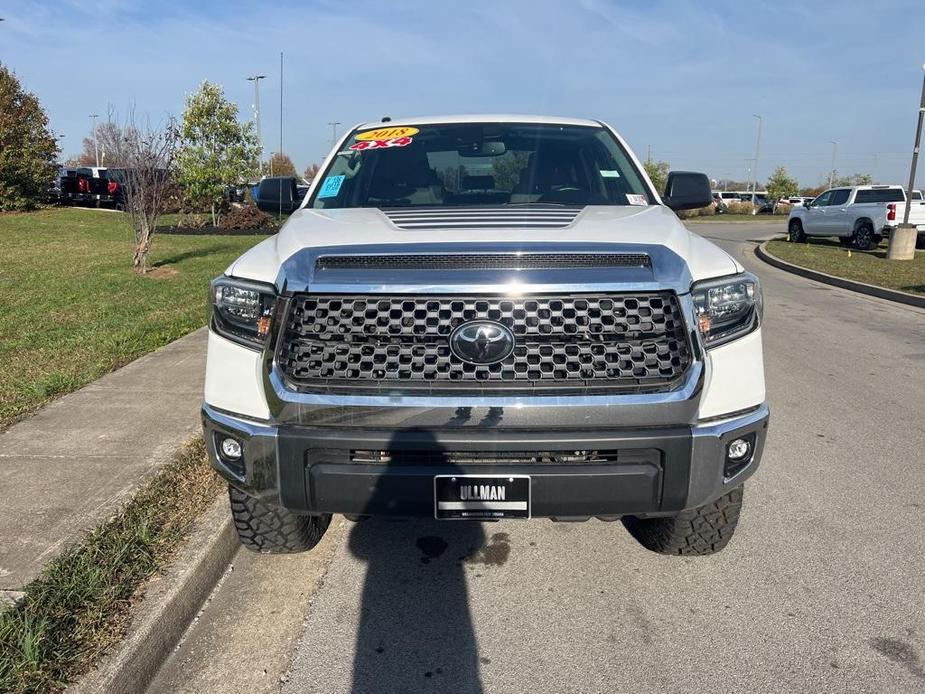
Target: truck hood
[(627, 229)]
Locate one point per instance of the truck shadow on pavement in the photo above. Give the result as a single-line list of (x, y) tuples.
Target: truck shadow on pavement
[(415, 630)]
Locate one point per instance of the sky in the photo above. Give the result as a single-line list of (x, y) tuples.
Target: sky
[(678, 78)]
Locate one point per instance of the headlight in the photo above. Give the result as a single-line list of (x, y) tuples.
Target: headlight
[(727, 308), (242, 310)]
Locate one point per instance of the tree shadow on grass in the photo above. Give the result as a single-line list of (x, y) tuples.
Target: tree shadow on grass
[(200, 252)]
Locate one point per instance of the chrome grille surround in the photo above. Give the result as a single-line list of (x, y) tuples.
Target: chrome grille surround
[(600, 343)]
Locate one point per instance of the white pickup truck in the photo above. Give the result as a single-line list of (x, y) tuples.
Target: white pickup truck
[(481, 318), (858, 215)]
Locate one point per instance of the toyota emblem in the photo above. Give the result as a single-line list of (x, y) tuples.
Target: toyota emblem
[(482, 342)]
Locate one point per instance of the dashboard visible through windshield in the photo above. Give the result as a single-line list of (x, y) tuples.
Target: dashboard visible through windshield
[(480, 164)]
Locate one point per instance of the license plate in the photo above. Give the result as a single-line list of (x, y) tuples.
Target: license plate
[(474, 497)]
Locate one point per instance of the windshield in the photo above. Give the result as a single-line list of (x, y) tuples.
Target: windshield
[(478, 164)]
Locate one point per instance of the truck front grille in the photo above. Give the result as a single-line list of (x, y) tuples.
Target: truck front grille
[(593, 342)]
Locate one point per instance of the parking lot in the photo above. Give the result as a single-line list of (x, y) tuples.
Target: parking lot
[(819, 591)]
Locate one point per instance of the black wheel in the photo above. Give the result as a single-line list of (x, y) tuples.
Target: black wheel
[(697, 531), (271, 529), (795, 231), (920, 242), (864, 237)]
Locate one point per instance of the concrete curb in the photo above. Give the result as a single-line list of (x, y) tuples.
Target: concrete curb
[(169, 606), (869, 289)]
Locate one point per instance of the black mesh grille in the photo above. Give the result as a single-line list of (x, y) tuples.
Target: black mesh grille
[(481, 261), (614, 342)]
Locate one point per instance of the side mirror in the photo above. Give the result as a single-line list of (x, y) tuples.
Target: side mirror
[(686, 190)]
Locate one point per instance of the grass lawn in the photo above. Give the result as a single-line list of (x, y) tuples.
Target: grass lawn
[(72, 309), (81, 604), (872, 267)]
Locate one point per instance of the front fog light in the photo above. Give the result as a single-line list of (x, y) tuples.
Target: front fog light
[(738, 450), (231, 448), (739, 454)]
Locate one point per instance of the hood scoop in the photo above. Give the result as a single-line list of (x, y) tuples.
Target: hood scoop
[(527, 216), (500, 266), (481, 261)]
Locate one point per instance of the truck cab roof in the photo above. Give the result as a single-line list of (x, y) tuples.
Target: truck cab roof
[(479, 118)]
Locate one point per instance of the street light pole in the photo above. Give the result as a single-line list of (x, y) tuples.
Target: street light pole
[(832, 169), (96, 149), (757, 154), (902, 241), (255, 78), (334, 125), (915, 153)]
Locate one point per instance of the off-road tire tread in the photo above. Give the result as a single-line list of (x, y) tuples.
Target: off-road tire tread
[(271, 529), (695, 532)]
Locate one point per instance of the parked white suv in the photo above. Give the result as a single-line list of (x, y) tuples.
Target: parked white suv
[(858, 215), (487, 317)]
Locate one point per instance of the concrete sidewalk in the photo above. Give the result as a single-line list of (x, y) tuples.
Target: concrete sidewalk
[(80, 458)]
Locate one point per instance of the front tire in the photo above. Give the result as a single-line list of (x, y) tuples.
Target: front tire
[(272, 529), (795, 231), (696, 532)]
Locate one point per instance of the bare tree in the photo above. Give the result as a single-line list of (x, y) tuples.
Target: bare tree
[(311, 171), (146, 156)]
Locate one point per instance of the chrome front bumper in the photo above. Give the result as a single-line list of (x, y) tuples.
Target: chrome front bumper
[(307, 468)]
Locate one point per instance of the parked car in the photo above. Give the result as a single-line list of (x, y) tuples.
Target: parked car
[(98, 184), (278, 195), (236, 193), (115, 193), (74, 186), (858, 215), (571, 350), (763, 205), (722, 198)]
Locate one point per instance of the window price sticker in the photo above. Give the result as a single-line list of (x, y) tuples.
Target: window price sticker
[(331, 186)]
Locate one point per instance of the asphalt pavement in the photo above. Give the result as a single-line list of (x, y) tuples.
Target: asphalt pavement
[(821, 590)]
